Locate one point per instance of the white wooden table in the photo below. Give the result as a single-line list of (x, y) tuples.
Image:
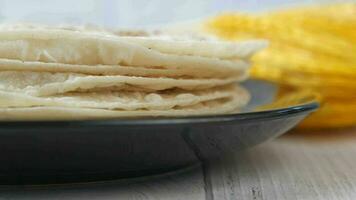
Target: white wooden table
[(315, 165)]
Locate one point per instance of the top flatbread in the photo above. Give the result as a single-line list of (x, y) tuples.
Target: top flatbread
[(71, 47), (160, 41), (213, 49)]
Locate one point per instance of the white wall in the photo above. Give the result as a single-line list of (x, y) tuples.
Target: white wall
[(130, 13)]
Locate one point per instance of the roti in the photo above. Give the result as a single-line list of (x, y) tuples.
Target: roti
[(74, 74), (162, 42), (70, 47), (220, 106), (35, 66), (212, 49), (45, 83), (124, 100)]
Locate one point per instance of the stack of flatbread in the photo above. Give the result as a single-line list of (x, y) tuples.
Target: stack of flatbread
[(60, 74)]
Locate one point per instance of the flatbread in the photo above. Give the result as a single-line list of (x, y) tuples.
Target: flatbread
[(212, 49), (163, 42), (45, 83), (69, 74), (71, 47), (123, 100), (35, 66), (220, 106)]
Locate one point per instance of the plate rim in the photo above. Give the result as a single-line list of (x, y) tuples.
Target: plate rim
[(307, 107)]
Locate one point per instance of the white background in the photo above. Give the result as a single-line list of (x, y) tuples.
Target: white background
[(131, 13)]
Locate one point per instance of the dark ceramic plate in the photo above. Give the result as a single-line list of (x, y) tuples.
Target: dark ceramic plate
[(72, 151)]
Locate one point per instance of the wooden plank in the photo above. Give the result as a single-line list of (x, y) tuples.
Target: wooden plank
[(298, 166)]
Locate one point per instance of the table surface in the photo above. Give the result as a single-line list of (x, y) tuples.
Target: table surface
[(313, 165)]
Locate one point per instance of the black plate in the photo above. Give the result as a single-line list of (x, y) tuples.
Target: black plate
[(72, 151)]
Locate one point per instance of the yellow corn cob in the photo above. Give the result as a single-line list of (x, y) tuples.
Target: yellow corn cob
[(329, 94), (231, 25), (332, 116), (343, 12), (336, 14), (312, 49), (304, 61), (295, 78)]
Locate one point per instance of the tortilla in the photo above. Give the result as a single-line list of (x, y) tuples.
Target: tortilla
[(220, 106), (162, 42), (211, 49), (16, 65), (45, 83), (73, 74), (122, 100), (70, 47)]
